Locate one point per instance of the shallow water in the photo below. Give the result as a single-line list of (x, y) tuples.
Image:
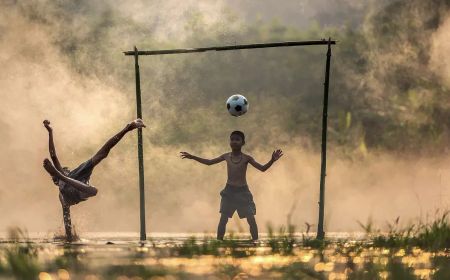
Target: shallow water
[(171, 256)]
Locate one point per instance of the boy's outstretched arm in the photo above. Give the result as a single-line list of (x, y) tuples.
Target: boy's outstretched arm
[(275, 156), (51, 147), (202, 160)]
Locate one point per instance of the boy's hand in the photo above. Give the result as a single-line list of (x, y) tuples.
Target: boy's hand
[(137, 123), (47, 125), (186, 155), (277, 154)]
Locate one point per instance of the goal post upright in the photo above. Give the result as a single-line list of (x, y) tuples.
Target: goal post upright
[(323, 165), (143, 233), (136, 53)]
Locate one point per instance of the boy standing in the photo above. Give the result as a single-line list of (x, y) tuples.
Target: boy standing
[(236, 195)]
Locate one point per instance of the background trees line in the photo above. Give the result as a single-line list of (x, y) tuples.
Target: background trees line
[(385, 93)]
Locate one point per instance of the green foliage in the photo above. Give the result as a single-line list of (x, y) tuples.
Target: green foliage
[(283, 242), (394, 269), (398, 271), (369, 271), (442, 265), (433, 236), (20, 256), (70, 259), (356, 259), (135, 271), (193, 247), (383, 95), (314, 242), (229, 270), (298, 270), (208, 246)]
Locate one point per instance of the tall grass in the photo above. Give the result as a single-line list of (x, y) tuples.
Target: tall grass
[(283, 242), (431, 236), (20, 256)]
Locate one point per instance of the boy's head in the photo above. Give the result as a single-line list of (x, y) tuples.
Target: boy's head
[(237, 139)]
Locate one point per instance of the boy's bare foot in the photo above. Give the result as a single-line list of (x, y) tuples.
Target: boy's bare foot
[(137, 123), (50, 168), (47, 125)]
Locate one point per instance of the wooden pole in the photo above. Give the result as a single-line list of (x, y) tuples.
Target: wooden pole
[(235, 47), (320, 231), (143, 235)]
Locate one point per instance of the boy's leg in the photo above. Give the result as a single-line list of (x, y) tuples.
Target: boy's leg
[(104, 151), (222, 226), (253, 227), (82, 187), (67, 219)]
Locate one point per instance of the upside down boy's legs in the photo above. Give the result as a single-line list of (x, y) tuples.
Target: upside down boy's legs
[(106, 148), (253, 227), (222, 226)]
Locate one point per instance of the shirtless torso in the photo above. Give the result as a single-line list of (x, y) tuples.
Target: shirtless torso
[(236, 168)]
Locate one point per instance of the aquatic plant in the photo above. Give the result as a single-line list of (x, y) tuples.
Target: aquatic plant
[(284, 241), (20, 256), (432, 236)]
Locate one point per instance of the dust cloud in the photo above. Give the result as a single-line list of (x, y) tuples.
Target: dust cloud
[(38, 81)]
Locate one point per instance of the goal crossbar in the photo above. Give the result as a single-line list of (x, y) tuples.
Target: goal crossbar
[(234, 47)]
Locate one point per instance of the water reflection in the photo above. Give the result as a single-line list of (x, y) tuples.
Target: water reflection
[(184, 258)]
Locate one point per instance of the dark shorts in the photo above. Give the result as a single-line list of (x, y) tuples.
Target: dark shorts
[(238, 199), (82, 173)]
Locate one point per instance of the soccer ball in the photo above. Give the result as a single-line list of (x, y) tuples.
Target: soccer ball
[(237, 105)]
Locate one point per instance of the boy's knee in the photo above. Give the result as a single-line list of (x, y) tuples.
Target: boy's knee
[(94, 191), (91, 191), (97, 158)]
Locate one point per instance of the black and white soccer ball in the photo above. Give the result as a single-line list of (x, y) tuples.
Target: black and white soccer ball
[(237, 105)]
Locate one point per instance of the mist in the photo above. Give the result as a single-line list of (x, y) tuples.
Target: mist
[(64, 62)]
